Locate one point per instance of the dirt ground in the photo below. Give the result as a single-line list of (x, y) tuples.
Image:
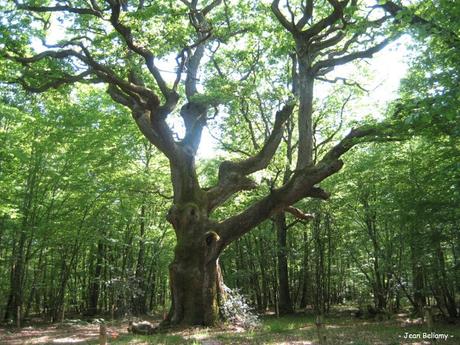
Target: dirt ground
[(66, 333), (298, 329)]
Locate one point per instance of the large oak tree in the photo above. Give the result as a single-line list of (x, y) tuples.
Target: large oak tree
[(226, 55)]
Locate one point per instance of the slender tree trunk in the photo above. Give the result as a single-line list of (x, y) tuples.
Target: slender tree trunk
[(417, 278), (16, 294), (285, 303), (15, 298), (140, 299), (305, 272), (448, 296), (93, 297), (33, 291), (254, 275)]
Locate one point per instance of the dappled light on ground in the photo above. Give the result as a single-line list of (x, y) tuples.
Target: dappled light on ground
[(297, 329), (58, 334)]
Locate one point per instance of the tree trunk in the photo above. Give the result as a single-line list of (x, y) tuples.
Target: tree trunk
[(305, 123), (305, 272), (285, 303), (16, 293), (417, 277), (140, 298), (93, 296), (194, 274), (194, 287)]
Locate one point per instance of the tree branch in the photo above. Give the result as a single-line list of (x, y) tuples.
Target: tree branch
[(447, 35), (57, 82), (281, 18), (336, 14), (363, 54), (299, 214), (233, 175), (301, 184), (125, 32), (59, 8), (307, 15)]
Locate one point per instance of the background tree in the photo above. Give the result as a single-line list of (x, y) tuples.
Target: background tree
[(71, 247)]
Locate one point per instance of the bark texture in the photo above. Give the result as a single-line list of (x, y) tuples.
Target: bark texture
[(285, 303), (194, 273)]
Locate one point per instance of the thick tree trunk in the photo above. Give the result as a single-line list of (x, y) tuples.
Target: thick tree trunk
[(194, 273), (194, 282), (305, 121)]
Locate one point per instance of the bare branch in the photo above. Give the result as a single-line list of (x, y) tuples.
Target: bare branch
[(210, 7), (58, 82), (245, 112), (345, 81), (336, 131), (316, 28), (281, 18), (126, 34), (363, 54), (232, 175), (291, 12), (57, 54), (60, 8), (307, 15)]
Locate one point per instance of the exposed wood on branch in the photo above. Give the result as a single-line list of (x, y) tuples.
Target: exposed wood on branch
[(299, 213)]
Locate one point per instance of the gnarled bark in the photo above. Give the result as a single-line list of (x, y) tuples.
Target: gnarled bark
[(194, 272)]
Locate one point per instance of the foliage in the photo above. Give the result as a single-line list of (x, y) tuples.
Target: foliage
[(236, 310)]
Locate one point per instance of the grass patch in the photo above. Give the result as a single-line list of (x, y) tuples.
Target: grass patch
[(296, 329), (301, 330), (156, 339)]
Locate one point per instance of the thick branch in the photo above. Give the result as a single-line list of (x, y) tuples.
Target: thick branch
[(281, 18), (210, 7), (301, 185), (363, 54), (307, 15), (126, 34), (195, 113), (156, 131), (233, 175), (59, 8), (263, 157), (438, 30), (336, 14)]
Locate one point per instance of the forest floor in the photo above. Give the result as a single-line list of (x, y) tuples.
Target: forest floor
[(297, 329)]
